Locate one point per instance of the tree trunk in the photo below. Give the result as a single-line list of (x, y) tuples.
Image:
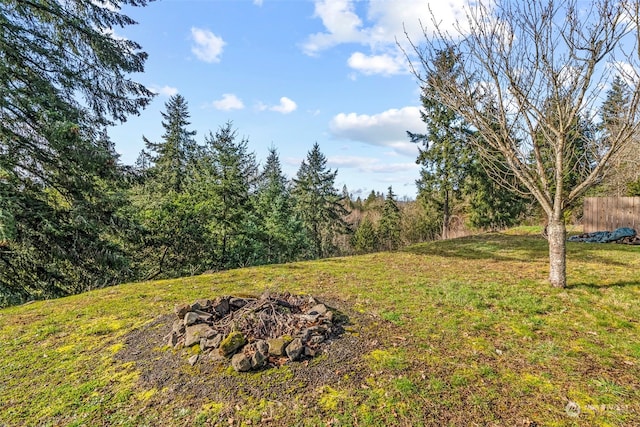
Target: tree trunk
[(445, 216), (557, 234)]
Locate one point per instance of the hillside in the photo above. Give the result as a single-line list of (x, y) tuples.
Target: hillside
[(460, 332)]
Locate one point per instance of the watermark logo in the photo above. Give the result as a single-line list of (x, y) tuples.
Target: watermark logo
[(572, 409)]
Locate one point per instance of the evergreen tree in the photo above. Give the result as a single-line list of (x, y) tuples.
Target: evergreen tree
[(175, 153), (364, 239), (171, 241), (389, 226), (318, 203), (614, 106), (580, 160), (374, 201), (281, 235), (624, 171), (63, 78), (347, 199), (491, 205), (231, 173), (445, 154), (453, 180)]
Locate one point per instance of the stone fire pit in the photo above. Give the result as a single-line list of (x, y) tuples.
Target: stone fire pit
[(255, 333)]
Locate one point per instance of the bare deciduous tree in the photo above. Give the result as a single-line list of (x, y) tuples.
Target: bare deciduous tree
[(531, 74)]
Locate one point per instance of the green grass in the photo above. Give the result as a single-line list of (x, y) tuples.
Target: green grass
[(467, 332)]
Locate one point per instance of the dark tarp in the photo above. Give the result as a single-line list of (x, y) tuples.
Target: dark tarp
[(604, 236)]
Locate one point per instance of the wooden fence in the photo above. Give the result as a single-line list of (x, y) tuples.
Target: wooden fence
[(609, 213)]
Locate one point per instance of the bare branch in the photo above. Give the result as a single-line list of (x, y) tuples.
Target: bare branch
[(532, 76)]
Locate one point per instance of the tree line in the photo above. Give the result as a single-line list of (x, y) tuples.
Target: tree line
[(511, 133), (185, 208), (212, 207)]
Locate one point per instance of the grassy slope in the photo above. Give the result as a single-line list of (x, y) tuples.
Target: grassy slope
[(484, 341)]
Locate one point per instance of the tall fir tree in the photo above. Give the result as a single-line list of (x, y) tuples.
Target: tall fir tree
[(623, 178), (318, 203), (64, 77), (170, 244), (177, 149), (365, 239), (231, 172), (280, 233), (445, 155), (389, 226), (491, 205)]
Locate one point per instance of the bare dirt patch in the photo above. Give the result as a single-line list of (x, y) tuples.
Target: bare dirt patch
[(293, 387)]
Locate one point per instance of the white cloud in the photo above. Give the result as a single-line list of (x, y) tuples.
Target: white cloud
[(370, 164), (387, 20), (112, 34), (341, 22), (376, 64), (392, 18), (286, 106), (380, 25), (164, 90), (228, 102), (626, 70), (258, 2), (386, 129), (208, 47)]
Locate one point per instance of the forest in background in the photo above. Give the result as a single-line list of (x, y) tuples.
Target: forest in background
[(74, 218)]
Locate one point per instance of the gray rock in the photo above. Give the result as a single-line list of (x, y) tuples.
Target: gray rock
[(215, 357), (221, 307), (207, 344), (329, 316), (231, 343), (201, 304), (294, 349), (241, 362), (194, 359), (277, 346), (310, 318), (203, 315), (172, 339), (178, 326), (305, 334), (181, 309), (309, 352), (320, 309), (191, 318), (262, 346), (258, 360), (195, 333)]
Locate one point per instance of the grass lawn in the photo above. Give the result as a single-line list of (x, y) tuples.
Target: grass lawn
[(459, 332)]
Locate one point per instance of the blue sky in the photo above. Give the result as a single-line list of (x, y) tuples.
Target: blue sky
[(289, 73)]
